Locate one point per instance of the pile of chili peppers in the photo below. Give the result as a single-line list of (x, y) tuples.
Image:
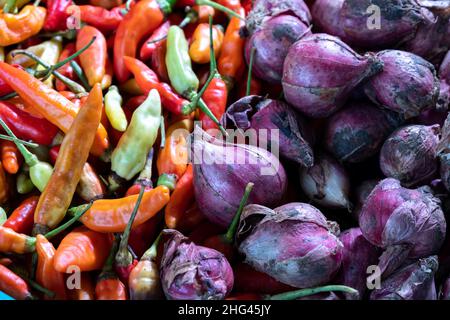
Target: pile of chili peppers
[(95, 178)]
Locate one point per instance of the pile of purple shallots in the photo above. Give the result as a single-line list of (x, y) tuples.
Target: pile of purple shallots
[(359, 195)]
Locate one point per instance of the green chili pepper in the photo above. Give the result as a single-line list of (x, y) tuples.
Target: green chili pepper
[(113, 109), (3, 216), (24, 184), (182, 77), (40, 171), (130, 155)]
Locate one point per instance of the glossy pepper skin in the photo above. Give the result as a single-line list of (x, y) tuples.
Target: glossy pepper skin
[(83, 248), (103, 19), (46, 275), (199, 47), (13, 242), (66, 70), (142, 19), (113, 109), (130, 155), (4, 187), (27, 127), (112, 215), (49, 103), (151, 44), (13, 285), (57, 15), (15, 28), (147, 80), (215, 96), (57, 196), (93, 60), (10, 156), (21, 219)]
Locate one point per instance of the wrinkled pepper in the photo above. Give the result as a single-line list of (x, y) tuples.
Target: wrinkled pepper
[(66, 70), (57, 15), (101, 18), (93, 60)]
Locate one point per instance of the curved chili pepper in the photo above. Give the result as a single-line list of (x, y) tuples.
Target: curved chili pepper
[(86, 291), (66, 70), (13, 242), (108, 77), (52, 105), (93, 60), (154, 41), (215, 96), (46, 275), (13, 285), (109, 286), (143, 18), (158, 61), (148, 80), (113, 109), (101, 18), (26, 126), (231, 59), (15, 28), (22, 218), (200, 42), (84, 248), (11, 157), (57, 15), (173, 158), (112, 215), (56, 198)]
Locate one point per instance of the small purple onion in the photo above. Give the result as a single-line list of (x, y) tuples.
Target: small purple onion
[(358, 255), (294, 243), (444, 74), (259, 113), (413, 282), (407, 85), (445, 290), (326, 183), (357, 132), (327, 17), (407, 223), (361, 194), (191, 272), (445, 169), (409, 154), (271, 43), (320, 71), (222, 170)]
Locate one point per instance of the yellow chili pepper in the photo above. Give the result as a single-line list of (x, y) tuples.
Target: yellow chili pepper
[(114, 111), (199, 48)]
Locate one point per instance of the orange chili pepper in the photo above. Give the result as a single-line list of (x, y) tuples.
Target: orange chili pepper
[(4, 187), (203, 13), (13, 242), (15, 28), (49, 103), (93, 60), (83, 248), (173, 158), (46, 275), (231, 59), (107, 78), (107, 4), (11, 157), (86, 290), (199, 48), (57, 195), (13, 285), (112, 215), (181, 198)]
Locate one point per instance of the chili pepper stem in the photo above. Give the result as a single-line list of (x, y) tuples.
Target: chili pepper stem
[(188, 108), (123, 254), (152, 252), (229, 236), (168, 180), (75, 218), (40, 288), (8, 96), (249, 75), (163, 133), (10, 4), (219, 7), (25, 143), (310, 291), (108, 267), (80, 74)]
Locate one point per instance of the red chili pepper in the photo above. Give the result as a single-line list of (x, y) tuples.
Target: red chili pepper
[(21, 219), (13, 285), (158, 61), (154, 41), (147, 80), (4, 87), (247, 5), (66, 70), (215, 97), (57, 15), (103, 19), (144, 234), (26, 126)]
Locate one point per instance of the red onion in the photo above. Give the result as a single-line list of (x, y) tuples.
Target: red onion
[(445, 170), (293, 243), (320, 71), (409, 154), (407, 223), (444, 75), (222, 170), (407, 85), (326, 183), (255, 112), (445, 290), (413, 282), (356, 132), (432, 116), (327, 17), (358, 255), (361, 194), (191, 272), (271, 42)]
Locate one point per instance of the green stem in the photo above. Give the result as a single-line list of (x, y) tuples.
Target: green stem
[(152, 252), (163, 133), (25, 143), (167, 179), (30, 158), (204, 108), (8, 96), (229, 236), (292, 295), (40, 288), (44, 73), (146, 173), (68, 34), (108, 267), (10, 4), (80, 73), (219, 7), (249, 75), (123, 246), (79, 212)]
